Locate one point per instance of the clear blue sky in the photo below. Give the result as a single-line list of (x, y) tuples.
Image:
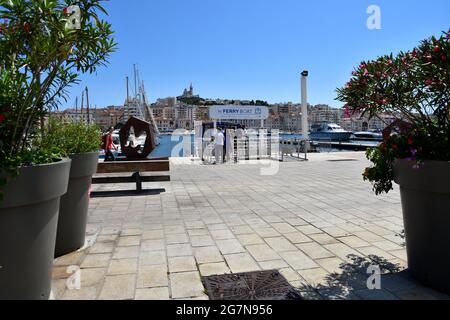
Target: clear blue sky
[(254, 49)]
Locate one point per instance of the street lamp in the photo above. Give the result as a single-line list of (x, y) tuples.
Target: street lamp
[(304, 94)]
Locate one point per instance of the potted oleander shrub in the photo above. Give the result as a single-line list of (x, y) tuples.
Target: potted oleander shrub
[(42, 53), (414, 87), (79, 142)]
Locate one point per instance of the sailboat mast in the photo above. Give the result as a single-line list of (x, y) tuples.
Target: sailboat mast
[(82, 102), (135, 81), (87, 107)]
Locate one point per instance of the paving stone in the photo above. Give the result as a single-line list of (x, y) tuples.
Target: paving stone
[(284, 228), (354, 242), (153, 235), (280, 244), (332, 265), (153, 245), (273, 265), (229, 246), (290, 275), (267, 232), (207, 255), (131, 232), (107, 238), (179, 250), (336, 232), (323, 238), (214, 269), (201, 241), (176, 238), (249, 239), (92, 276), (129, 241), (149, 294), (126, 252), (298, 260), (374, 251), (241, 262), (262, 252), (152, 276), (309, 230), (198, 232), (401, 254), (315, 277), (174, 230), (315, 250), (110, 230), (85, 293), (151, 258), (297, 237), (387, 245), (186, 285), (341, 250), (102, 247), (182, 264), (368, 236), (123, 266), (222, 234), (118, 287), (241, 230), (96, 260)]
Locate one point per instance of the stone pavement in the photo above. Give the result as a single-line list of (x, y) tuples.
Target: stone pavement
[(317, 222)]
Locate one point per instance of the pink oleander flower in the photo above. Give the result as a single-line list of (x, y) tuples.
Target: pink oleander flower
[(428, 82)]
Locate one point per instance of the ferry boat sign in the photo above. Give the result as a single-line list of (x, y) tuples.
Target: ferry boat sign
[(239, 112)]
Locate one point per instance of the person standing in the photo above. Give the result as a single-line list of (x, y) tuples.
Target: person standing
[(219, 146), (109, 146)]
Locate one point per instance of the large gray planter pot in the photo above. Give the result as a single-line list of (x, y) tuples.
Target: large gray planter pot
[(425, 193), (28, 220), (73, 212)]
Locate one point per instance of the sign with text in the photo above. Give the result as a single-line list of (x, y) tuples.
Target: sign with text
[(239, 112)]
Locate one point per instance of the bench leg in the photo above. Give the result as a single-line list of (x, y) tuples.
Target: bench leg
[(137, 175)]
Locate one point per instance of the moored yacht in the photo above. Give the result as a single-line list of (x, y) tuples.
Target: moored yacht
[(329, 131), (368, 135)]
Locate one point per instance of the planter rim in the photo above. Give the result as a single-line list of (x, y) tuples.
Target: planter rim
[(58, 161), (83, 153), (32, 185), (432, 176), (83, 164)]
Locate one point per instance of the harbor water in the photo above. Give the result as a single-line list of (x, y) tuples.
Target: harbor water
[(169, 143)]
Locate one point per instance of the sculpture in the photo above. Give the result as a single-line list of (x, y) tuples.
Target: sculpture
[(131, 149)]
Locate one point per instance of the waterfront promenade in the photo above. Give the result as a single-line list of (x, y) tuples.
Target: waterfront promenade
[(317, 222)]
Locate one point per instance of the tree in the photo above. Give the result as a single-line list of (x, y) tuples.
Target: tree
[(40, 57)]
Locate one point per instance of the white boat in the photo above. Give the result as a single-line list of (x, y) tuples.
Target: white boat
[(368, 135), (329, 132)]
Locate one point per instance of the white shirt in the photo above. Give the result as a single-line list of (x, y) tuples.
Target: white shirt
[(220, 139)]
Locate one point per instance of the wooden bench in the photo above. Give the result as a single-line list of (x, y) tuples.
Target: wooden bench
[(110, 172)]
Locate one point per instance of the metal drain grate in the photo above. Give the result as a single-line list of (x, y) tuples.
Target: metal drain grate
[(260, 285)]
